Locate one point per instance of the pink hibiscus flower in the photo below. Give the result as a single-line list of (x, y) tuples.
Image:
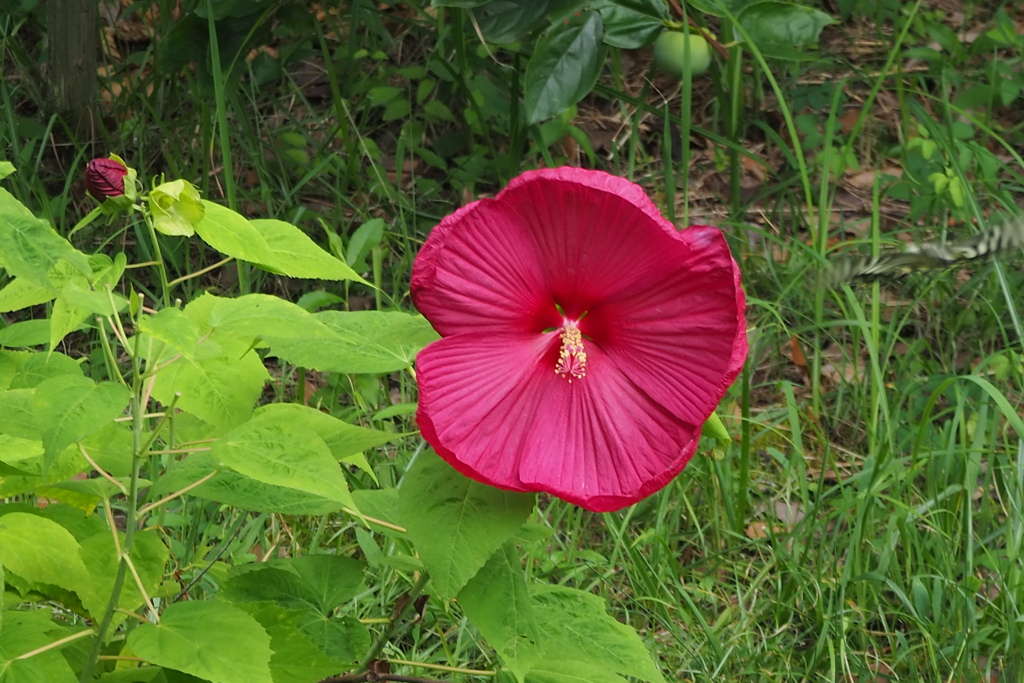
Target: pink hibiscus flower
[(584, 341)]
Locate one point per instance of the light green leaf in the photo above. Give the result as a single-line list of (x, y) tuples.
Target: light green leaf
[(456, 523), (6, 169), (262, 315), (212, 640), (564, 67), (31, 247), (17, 414), (274, 449), (231, 233), (36, 368), (69, 408), (364, 342), (174, 329), (24, 632), (220, 390), (19, 293), (557, 670), (296, 659), (231, 488), (317, 583), (149, 556), (576, 627), (291, 252), (342, 438), (498, 603), (41, 551)]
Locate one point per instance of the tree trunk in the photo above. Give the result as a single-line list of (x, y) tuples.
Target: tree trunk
[(74, 55)]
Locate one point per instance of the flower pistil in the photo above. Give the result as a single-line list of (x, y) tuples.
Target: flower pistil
[(572, 358)]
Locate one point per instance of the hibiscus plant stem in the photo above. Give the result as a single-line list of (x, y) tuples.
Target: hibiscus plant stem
[(395, 627)]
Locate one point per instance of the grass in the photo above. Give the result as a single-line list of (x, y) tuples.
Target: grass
[(866, 524)]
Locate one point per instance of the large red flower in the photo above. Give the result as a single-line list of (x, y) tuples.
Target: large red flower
[(584, 339)]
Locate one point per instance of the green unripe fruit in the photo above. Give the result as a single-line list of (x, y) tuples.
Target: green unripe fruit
[(670, 56)]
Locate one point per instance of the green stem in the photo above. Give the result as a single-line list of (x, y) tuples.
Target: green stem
[(378, 644), (131, 522)]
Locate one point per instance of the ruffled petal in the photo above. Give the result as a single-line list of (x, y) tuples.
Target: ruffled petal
[(680, 331), (599, 442)]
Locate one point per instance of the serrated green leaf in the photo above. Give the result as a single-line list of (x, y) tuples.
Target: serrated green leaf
[(343, 638), (212, 640), (41, 551), (564, 67), (456, 523), (576, 627), (498, 603), (557, 670), (25, 632), (149, 557), (342, 438), (220, 390), (19, 293), (296, 658), (317, 583), (231, 488), (36, 368), (172, 328), (231, 233), (69, 408), (267, 317), (371, 342), (273, 449), (291, 252), (31, 247)]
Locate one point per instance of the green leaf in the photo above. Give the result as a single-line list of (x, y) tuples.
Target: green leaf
[(238, 490), (221, 390), (291, 252), (6, 169), (498, 603), (557, 670), (212, 640), (31, 247), (263, 316), (36, 368), (457, 3), (296, 658), (19, 293), (780, 29), (17, 414), (631, 24), (25, 333), (69, 408), (42, 552), (564, 67), (719, 8), (342, 438), (24, 632), (231, 233), (576, 627), (456, 523), (149, 557), (367, 342), (317, 583), (273, 448), (343, 638), (504, 21), (175, 330)]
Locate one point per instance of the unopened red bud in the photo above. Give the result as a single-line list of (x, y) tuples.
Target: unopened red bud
[(105, 178)]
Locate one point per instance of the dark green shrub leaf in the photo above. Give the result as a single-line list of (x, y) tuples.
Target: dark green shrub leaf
[(631, 24), (504, 21), (564, 66), (780, 29)]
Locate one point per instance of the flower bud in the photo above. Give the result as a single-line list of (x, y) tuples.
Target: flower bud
[(176, 208), (111, 183)]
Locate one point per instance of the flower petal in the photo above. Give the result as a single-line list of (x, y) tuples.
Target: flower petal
[(495, 410)]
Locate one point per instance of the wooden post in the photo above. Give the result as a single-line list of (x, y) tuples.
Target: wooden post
[(74, 56)]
